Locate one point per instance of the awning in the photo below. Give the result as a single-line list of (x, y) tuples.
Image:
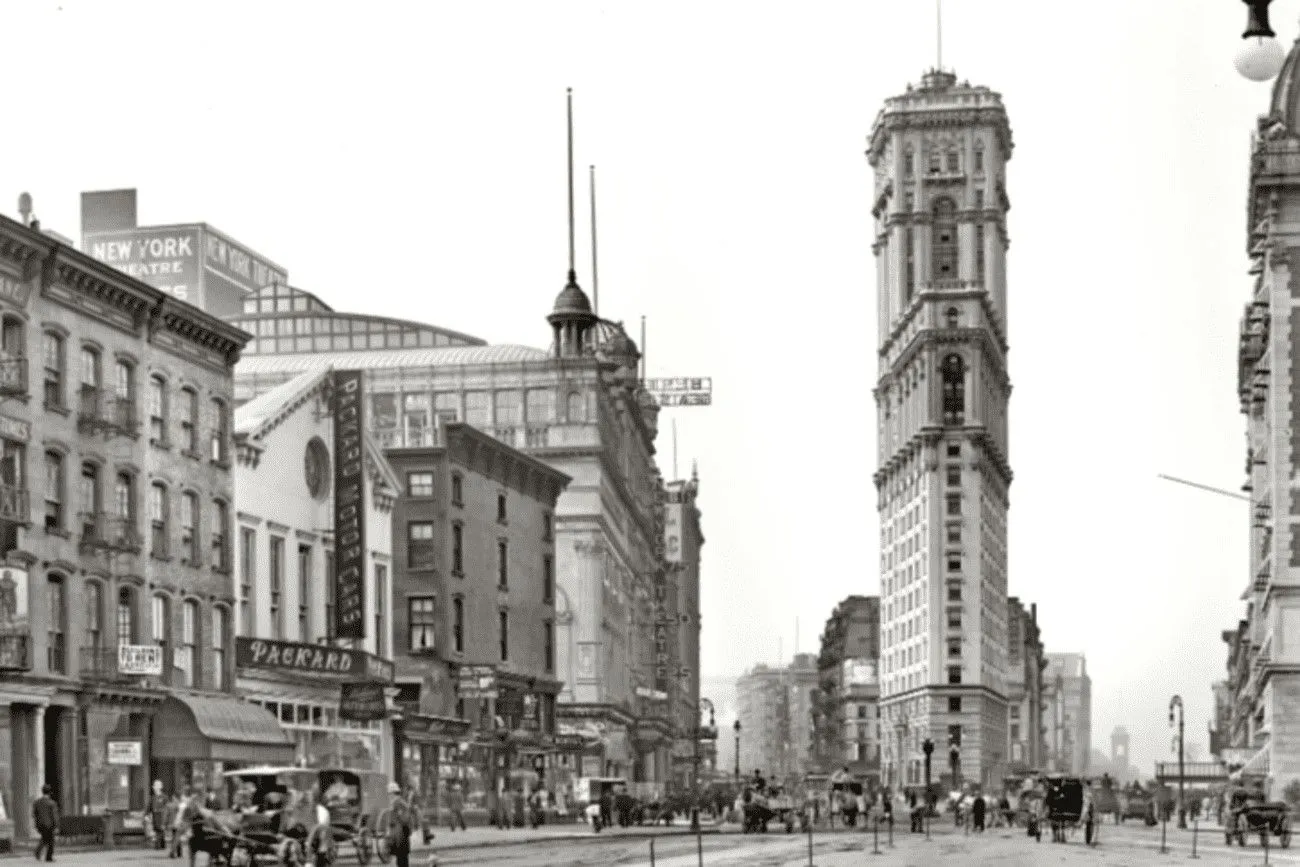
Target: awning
[(219, 729), (1256, 766)]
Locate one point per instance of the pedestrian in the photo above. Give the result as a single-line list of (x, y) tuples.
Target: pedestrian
[(169, 824), (977, 812), (400, 827), (456, 807), (158, 815), (192, 818), (45, 815)]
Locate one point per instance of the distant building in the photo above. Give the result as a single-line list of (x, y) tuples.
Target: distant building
[(1068, 690), (775, 712), (846, 709), (683, 544), (1025, 665), (1221, 728), (192, 262)]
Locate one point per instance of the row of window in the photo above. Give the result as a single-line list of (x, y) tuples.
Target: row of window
[(182, 659), (422, 629), (941, 160), (122, 408), (115, 523), (480, 409), (421, 553)]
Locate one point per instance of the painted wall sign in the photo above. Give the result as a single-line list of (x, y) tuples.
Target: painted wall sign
[(128, 752), (349, 505), (165, 257), (291, 657), (140, 660)]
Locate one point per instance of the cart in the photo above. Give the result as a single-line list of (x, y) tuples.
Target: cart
[(783, 808), (1249, 813), (1065, 808)]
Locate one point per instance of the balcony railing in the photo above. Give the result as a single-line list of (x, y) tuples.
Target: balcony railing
[(111, 532), (106, 411), (13, 376), (15, 653), (15, 508)]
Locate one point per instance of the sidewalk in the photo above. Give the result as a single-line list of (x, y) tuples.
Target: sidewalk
[(488, 837)]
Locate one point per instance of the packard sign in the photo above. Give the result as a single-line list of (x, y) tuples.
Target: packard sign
[(288, 657), (349, 506)]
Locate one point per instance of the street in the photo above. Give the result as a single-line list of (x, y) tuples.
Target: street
[(1120, 846)]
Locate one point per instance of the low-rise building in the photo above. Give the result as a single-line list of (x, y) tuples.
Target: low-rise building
[(327, 691), (115, 519), (846, 709), (1025, 665), (476, 616)]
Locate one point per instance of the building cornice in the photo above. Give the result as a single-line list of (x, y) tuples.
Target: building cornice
[(477, 450)]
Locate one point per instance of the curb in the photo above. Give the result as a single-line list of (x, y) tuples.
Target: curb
[(628, 834)]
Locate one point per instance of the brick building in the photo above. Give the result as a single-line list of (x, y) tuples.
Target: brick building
[(475, 586), (116, 513), (1025, 665), (846, 709)]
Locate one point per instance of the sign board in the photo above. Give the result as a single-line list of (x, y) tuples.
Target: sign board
[(235, 263), (349, 505), (291, 657), (14, 611), (476, 681), (681, 390), (140, 660), (860, 672), (124, 751), (673, 529), (165, 257), (363, 702)]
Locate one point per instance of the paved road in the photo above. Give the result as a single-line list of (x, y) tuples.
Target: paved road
[(1120, 846)]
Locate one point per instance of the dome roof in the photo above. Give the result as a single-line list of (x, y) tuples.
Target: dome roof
[(572, 299), (620, 344), (1285, 105)]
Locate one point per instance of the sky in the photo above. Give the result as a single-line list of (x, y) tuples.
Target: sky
[(408, 159)]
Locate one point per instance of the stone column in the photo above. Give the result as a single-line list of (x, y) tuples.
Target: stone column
[(38, 744)]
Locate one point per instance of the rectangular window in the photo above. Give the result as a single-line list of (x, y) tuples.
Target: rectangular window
[(94, 615), (457, 549), (954, 504), (979, 199), (954, 565), (954, 476), (509, 409), (247, 575), (953, 164), (954, 674), (548, 644), (219, 431), (954, 592), (157, 410), (419, 484), (219, 632), (458, 624), (503, 619), (909, 265), (979, 160), (161, 625), (954, 620), (329, 595), (1015, 731), (954, 648), (52, 347), (304, 585), (548, 579), (185, 653), (190, 528), (954, 450), (220, 518), (381, 610), (954, 534), (420, 552), (158, 520), (954, 735), (277, 587), (53, 492), (979, 253), (503, 565), (541, 406), (189, 420), (909, 165), (421, 615), (56, 650), (478, 412), (90, 370), (548, 527), (457, 491), (501, 508)]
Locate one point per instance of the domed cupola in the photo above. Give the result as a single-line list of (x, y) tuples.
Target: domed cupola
[(1284, 107), (571, 320)]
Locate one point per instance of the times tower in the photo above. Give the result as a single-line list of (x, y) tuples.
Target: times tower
[(939, 152)]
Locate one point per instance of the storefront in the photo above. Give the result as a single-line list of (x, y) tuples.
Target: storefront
[(198, 737), (432, 753), (303, 686), (605, 746)]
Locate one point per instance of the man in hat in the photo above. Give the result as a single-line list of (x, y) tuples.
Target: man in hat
[(400, 825), (45, 815)]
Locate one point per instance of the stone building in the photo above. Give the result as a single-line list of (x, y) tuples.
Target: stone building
[(846, 712), (116, 514), (1067, 690), (1025, 665), (1264, 660), (939, 155), (284, 584), (774, 707), (695, 741), (475, 585), (580, 408)]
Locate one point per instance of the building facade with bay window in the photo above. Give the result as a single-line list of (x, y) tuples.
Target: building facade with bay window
[(116, 514), (475, 550), (290, 661), (580, 408)]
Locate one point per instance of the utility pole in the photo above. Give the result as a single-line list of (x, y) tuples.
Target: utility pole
[(1177, 702)]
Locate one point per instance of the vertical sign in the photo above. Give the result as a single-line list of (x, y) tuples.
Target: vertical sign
[(663, 656), (349, 506)]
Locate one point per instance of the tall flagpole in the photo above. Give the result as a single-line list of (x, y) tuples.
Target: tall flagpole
[(573, 273), (938, 30), (595, 280)]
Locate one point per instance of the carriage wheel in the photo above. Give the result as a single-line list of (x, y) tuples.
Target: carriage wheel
[(362, 842)]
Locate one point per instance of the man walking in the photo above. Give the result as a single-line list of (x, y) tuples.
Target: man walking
[(400, 827), (45, 815), (456, 807)]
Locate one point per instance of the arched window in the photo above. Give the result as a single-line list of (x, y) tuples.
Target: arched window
[(577, 407), (943, 240), (126, 616), (56, 644), (953, 373)]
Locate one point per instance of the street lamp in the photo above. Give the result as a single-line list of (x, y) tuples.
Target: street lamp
[(737, 728), (699, 733), (1260, 55), (1177, 702), (927, 747), (900, 729)]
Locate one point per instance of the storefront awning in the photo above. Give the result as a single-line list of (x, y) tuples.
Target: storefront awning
[(1256, 766), (219, 729)]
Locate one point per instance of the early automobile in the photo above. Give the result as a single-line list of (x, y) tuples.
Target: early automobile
[(1250, 813)]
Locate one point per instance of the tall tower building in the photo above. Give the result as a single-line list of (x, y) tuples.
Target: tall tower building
[(939, 152)]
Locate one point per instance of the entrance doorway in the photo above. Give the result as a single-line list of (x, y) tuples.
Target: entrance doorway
[(56, 765)]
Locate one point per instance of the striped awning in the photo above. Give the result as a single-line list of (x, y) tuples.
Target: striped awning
[(1257, 765)]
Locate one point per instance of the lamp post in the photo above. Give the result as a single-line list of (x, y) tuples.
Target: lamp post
[(699, 733), (737, 728), (1260, 56), (1177, 702), (927, 747)]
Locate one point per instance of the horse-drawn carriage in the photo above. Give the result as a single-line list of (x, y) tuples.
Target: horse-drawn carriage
[(280, 812), (1250, 813), (1065, 809)]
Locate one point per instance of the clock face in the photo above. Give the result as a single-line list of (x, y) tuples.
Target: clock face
[(316, 468)]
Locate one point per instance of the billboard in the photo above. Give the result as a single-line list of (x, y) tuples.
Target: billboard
[(860, 672), (165, 257), (349, 505), (673, 528), (231, 271), (681, 390)]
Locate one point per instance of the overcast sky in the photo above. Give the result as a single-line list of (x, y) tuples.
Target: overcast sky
[(407, 159)]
